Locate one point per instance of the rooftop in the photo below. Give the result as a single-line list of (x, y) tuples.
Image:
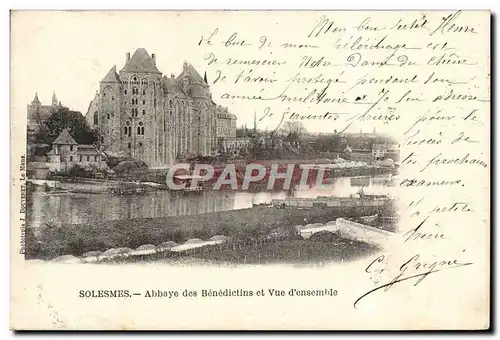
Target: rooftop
[(65, 138)]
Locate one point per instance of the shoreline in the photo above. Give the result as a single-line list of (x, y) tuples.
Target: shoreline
[(120, 187), (249, 223)]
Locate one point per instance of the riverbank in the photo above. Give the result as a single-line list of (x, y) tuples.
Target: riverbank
[(76, 239)]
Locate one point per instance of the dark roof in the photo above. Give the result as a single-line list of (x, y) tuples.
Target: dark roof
[(111, 77), (65, 138), (171, 85), (140, 62), (193, 75)]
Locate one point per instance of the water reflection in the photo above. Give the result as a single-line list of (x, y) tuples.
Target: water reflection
[(86, 208)]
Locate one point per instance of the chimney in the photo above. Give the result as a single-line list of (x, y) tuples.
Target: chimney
[(153, 56), (172, 76), (128, 56)]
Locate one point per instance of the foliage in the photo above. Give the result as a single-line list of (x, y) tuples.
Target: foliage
[(293, 131), (76, 171), (244, 224), (63, 118)]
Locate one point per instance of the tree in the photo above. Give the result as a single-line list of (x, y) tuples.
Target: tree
[(63, 118), (293, 131)]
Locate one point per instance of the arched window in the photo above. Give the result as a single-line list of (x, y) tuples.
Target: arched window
[(96, 118), (144, 92), (138, 130), (142, 130), (125, 91), (144, 102), (143, 112), (128, 129), (134, 78)]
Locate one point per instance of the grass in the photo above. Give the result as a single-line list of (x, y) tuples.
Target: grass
[(285, 251), (76, 239)]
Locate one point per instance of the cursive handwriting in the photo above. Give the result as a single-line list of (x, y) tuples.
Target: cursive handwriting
[(412, 269)]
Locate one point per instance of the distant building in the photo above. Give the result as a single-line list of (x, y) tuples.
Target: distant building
[(38, 113), (225, 123), (236, 145), (385, 150), (67, 152)]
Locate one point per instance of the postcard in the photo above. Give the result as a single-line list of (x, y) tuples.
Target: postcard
[(250, 170)]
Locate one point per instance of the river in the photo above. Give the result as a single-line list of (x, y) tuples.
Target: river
[(86, 208)]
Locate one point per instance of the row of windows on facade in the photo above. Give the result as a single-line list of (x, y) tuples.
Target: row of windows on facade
[(128, 130), (135, 101), (135, 113), (95, 158), (134, 91)]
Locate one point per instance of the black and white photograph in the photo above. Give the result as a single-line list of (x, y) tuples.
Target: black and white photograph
[(287, 159)]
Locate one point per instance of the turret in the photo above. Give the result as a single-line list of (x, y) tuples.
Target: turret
[(54, 99), (36, 101)]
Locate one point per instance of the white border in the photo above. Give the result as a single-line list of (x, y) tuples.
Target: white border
[(185, 4)]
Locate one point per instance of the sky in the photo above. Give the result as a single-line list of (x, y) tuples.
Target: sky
[(69, 52)]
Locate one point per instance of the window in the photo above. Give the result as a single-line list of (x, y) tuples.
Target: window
[(143, 112), (134, 78), (140, 129), (144, 92), (81, 158), (112, 98), (71, 148), (140, 144), (108, 115), (125, 130), (135, 90), (88, 158), (96, 118), (125, 91), (129, 145), (71, 158), (144, 102)]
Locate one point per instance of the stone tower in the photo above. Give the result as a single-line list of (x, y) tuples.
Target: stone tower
[(108, 116), (154, 118)]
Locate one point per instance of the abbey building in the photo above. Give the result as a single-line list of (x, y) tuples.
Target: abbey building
[(154, 118)]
